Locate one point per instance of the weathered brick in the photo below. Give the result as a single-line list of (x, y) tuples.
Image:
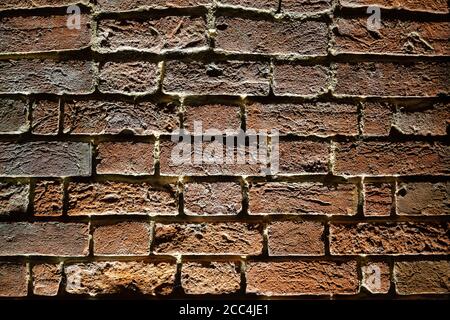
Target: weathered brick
[(13, 116), (55, 159), (48, 198), (423, 198), (13, 198), (303, 238), (114, 277), (45, 115), (221, 198), (406, 238), (153, 35), (422, 277), (220, 77), (377, 199), (42, 33), (236, 34), (225, 118), (323, 118), (414, 5), (121, 198), (302, 198), (46, 279), (302, 6), (122, 239), (208, 238), (271, 5), (18, 4), (422, 79), (377, 118), (303, 156), (127, 158), (129, 77), (13, 279), (302, 278), (113, 117), (210, 277), (394, 37), (44, 238), (286, 79), (381, 158), (124, 5), (376, 276)]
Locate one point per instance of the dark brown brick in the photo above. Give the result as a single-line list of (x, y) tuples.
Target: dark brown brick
[(302, 6), (124, 5), (13, 198), (286, 79), (423, 198), (13, 279), (48, 198), (378, 199), (377, 118), (414, 5), (17, 4), (45, 115), (46, 279), (13, 116), (303, 156), (225, 118)]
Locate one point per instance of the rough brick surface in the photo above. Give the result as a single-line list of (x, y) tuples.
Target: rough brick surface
[(18, 4), (378, 199), (13, 198), (303, 156), (13, 279), (286, 79), (45, 115), (305, 6), (48, 198), (46, 279), (13, 116), (423, 198), (205, 117), (416, 5), (271, 5), (124, 5)]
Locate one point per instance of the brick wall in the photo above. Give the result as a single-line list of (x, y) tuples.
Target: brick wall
[(90, 204)]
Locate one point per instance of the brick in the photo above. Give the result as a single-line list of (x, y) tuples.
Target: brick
[(115, 277), (302, 6), (321, 119), (210, 277), (13, 116), (286, 79), (17, 4), (46, 279), (126, 158), (156, 35), (421, 79), (225, 118), (42, 33), (303, 238), (46, 76), (381, 158), (48, 198), (13, 198), (422, 277), (122, 239), (394, 37), (302, 198), (97, 117), (406, 238), (121, 198), (430, 5), (240, 35), (128, 77), (44, 239), (221, 198), (376, 277), (208, 238), (124, 5), (377, 199), (423, 198), (13, 279), (377, 118), (271, 5), (303, 157), (220, 77), (41, 159), (45, 115), (302, 278)]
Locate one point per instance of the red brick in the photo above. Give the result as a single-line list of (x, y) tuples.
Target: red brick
[(46, 279), (13, 198), (303, 238), (286, 79), (220, 77), (302, 6), (124, 5), (129, 77), (13, 116), (414, 5), (394, 37), (208, 238), (225, 118), (406, 238), (322, 118), (42, 33), (156, 35), (378, 199), (302, 198), (302, 278), (389, 158), (112, 117), (421, 79), (13, 279), (126, 158), (210, 277), (236, 34), (17, 4), (48, 198), (44, 238), (45, 159), (122, 239), (376, 277), (46, 76), (271, 5), (423, 198), (377, 118), (221, 198), (117, 198), (45, 115), (303, 157)]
